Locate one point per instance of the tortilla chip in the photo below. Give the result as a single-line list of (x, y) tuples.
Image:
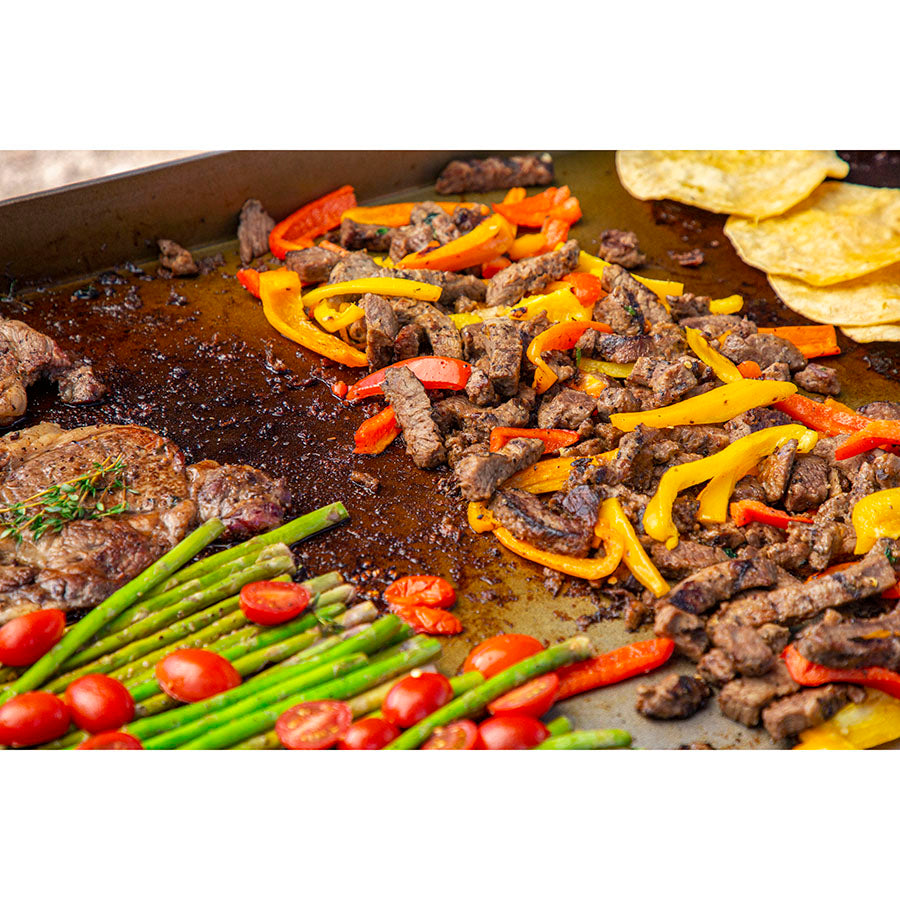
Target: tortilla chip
[(751, 183), (840, 232), (873, 299), (866, 335)]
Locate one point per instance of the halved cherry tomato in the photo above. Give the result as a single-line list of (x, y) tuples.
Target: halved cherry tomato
[(314, 725), (500, 652), (368, 734), (26, 639), (111, 740), (421, 590), (427, 620), (273, 602), (99, 703), (416, 696), (460, 735), (33, 718), (191, 675), (534, 698), (512, 733)]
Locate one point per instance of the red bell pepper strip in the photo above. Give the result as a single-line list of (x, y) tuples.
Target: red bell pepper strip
[(553, 438), (810, 340), (586, 287), (377, 432), (877, 433), (435, 372), (426, 620), (562, 336), (249, 278), (617, 665), (298, 230), (811, 674), (746, 511), (497, 264), (827, 419), (554, 203), (749, 368)]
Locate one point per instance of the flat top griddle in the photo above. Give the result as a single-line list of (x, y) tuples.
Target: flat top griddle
[(195, 360)]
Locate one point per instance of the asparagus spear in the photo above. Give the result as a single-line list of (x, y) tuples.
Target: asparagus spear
[(559, 725), (339, 689), (606, 739), (121, 599), (475, 700)]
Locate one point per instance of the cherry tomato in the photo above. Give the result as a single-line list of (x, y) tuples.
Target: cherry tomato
[(500, 652), (416, 696), (421, 590), (368, 734), (426, 620), (533, 698), (273, 602), (512, 733), (99, 703), (461, 735), (33, 718), (26, 639), (192, 675), (111, 740), (316, 725)]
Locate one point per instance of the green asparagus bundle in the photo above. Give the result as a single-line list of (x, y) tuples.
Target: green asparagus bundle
[(605, 739)]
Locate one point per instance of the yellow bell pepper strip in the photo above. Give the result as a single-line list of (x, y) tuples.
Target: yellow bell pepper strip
[(601, 367), (480, 518), (280, 292), (298, 230), (396, 214), (487, 240), (876, 516), (740, 455), (560, 306), (552, 233), (636, 558), (548, 475), (460, 320), (386, 287), (858, 726), (332, 319), (563, 336), (727, 306), (718, 405), (725, 370), (595, 266)]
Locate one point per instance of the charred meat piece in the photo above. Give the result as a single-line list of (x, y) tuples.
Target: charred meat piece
[(442, 333), (818, 380), (463, 176), (675, 697), (353, 266), (808, 485), (686, 630), (530, 520), (409, 339), (529, 276), (779, 371), (744, 698), (621, 248), (505, 350), (716, 667), (704, 440), (750, 654), (409, 239), (254, 226), (755, 420), (630, 308), (715, 326), (763, 349), (687, 557), (413, 410), (669, 380), (689, 305), (454, 286), (881, 409), (175, 260), (365, 480), (80, 385), (312, 264), (479, 388), (382, 328), (567, 409), (480, 473), (806, 709), (365, 236), (853, 643), (775, 470), (709, 587), (688, 258)]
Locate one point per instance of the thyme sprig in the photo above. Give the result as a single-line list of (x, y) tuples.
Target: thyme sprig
[(86, 496)]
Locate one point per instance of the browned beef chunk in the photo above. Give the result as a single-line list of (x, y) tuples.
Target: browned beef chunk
[(779, 371), (466, 218), (454, 286), (637, 454), (442, 333), (755, 420), (353, 266), (175, 259), (583, 502), (529, 276), (689, 306), (818, 380), (616, 399), (796, 602), (505, 347), (463, 176), (454, 412), (775, 470), (685, 629), (688, 258), (716, 667), (312, 264), (254, 226), (479, 473), (704, 440), (715, 326), (409, 239), (409, 339), (675, 697), (748, 488), (365, 480), (630, 307), (808, 485), (80, 385), (853, 643), (567, 409), (763, 349), (806, 709), (881, 409), (685, 558), (531, 520), (705, 589), (381, 330), (669, 381), (413, 410), (479, 388), (621, 349), (744, 698), (365, 236), (749, 652), (776, 637), (621, 248)]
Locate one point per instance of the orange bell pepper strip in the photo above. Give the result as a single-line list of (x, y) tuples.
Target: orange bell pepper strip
[(435, 372), (878, 433), (394, 215), (563, 336), (377, 432), (749, 368), (553, 232), (554, 203), (613, 667), (635, 558), (249, 279), (743, 512), (553, 438), (828, 419), (811, 674), (486, 241), (810, 340), (280, 292), (298, 230), (586, 287)]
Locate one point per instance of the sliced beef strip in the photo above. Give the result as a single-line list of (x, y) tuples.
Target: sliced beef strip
[(853, 643), (254, 225), (566, 409), (80, 385), (686, 630), (409, 239), (750, 654), (454, 412), (463, 176), (353, 266), (763, 349), (408, 341), (413, 410), (881, 409), (382, 328), (442, 333), (480, 473), (779, 371), (505, 349), (479, 388), (808, 484), (312, 264), (818, 380), (776, 637), (528, 276), (675, 697), (743, 699), (616, 399), (625, 349), (705, 589), (175, 259), (583, 502), (869, 576), (755, 419), (531, 520), (630, 307), (687, 557), (689, 305), (455, 286), (775, 471), (806, 709), (365, 236), (637, 454), (716, 667), (715, 326), (669, 380), (621, 248), (704, 440)]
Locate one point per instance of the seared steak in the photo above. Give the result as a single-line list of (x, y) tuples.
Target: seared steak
[(462, 176), (312, 264), (675, 697), (621, 248), (710, 586), (480, 473), (853, 643), (806, 709), (254, 226), (529, 276), (413, 410), (531, 520)]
